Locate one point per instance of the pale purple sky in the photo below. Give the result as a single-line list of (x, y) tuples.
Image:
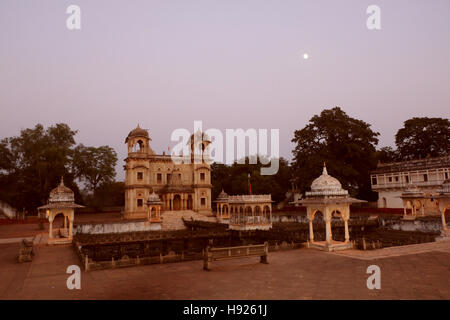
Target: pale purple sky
[(229, 63)]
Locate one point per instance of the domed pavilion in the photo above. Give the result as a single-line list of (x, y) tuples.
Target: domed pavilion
[(413, 201), (61, 201), (154, 204), (329, 199), (223, 210)]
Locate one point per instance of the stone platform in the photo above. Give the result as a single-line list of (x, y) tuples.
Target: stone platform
[(410, 272), (333, 246)]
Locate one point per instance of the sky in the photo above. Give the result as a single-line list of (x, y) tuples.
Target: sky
[(229, 63)]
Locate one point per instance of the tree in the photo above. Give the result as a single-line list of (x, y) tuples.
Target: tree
[(423, 137), (388, 154), (234, 179), (33, 164), (94, 165), (107, 194), (347, 145)]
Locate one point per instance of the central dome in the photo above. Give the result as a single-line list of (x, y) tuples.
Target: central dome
[(325, 182), (153, 199), (222, 196), (137, 132), (61, 193)]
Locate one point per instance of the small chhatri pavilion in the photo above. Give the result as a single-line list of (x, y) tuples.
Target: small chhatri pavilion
[(223, 207), (61, 201), (329, 199), (154, 204), (413, 202)]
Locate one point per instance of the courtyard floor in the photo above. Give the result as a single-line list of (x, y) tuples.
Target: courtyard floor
[(409, 272)]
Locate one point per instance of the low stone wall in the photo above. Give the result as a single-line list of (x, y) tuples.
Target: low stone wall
[(420, 224), (7, 211), (116, 227)]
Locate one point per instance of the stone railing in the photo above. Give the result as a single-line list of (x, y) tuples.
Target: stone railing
[(250, 198), (327, 193)]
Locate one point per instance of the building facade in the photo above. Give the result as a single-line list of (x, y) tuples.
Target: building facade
[(180, 186), (391, 180)]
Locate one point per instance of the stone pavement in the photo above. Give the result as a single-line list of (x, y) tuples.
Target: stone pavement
[(294, 274)]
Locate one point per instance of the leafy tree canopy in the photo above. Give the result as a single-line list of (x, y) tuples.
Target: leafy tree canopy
[(32, 163), (234, 179), (423, 137), (347, 145)]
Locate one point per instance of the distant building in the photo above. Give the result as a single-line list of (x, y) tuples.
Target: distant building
[(391, 180), (184, 186), (245, 212)]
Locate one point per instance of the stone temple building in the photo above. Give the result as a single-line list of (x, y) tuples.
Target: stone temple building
[(61, 202), (183, 186), (392, 180)]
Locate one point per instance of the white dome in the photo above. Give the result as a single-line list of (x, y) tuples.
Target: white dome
[(325, 182), (153, 198)]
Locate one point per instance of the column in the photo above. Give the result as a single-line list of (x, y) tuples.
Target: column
[(70, 228), (328, 231), (444, 223), (50, 228), (347, 236), (311, 231), (253, 214)]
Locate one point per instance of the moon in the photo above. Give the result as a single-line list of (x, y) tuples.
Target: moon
[(305, 56)]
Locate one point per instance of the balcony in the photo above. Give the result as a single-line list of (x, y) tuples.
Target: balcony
[(403, 185)]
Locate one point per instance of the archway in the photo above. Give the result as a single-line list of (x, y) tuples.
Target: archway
[(266, 214), (241, 215), (258, 217), (408, 210), (189, 203), (418, 207), (225, 210), (384, 203), (248, 214), (60, 225), (318, 222), (337, 220), (153, 213), (177, 202)]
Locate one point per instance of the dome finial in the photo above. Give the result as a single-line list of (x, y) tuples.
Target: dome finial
[(324, 168), (62, 181)]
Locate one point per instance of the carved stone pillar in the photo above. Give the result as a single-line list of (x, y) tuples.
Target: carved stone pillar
[(444, 223), (347, 236), (70, 228), (311, 231), (50, 227), (328, 231)]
